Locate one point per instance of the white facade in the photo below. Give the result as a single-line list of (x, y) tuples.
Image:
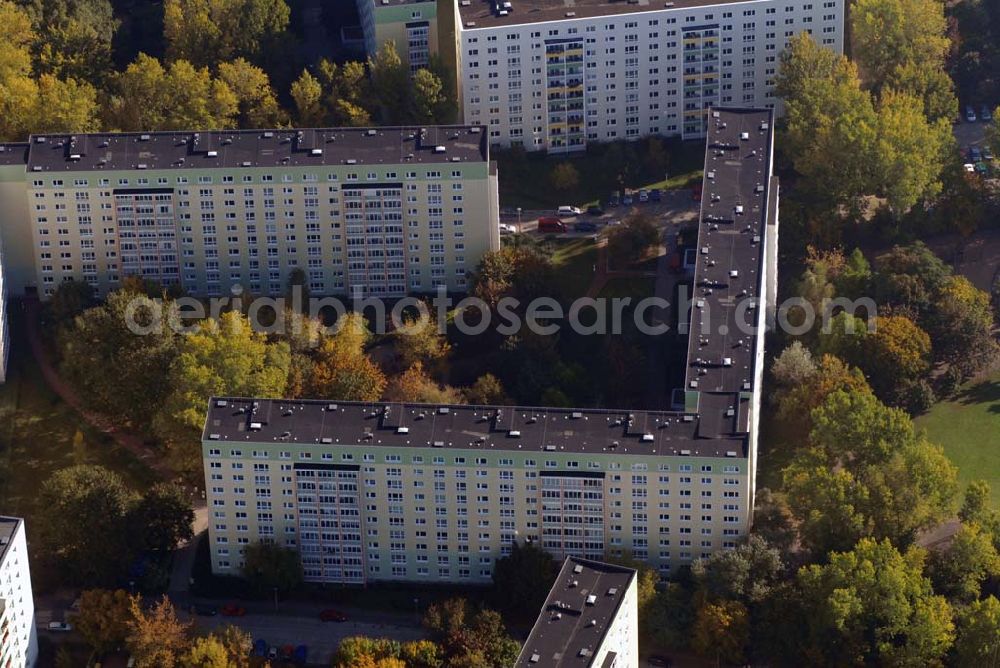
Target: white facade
[(18, 642), (561, 83)]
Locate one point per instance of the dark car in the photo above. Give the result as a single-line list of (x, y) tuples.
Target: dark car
[(975, 154), (205, 610), (332, 616), (613, 201), (656, 195), (301, 655), (585, 226), (594, 210), (260, 647), (233, 610), (662, 661)]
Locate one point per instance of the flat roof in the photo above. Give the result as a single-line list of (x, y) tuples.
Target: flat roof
[(392, 3), (481, 13), (729, 271), (234, 149), (8, 529), (577, 614), (534, 430), (14, 154)]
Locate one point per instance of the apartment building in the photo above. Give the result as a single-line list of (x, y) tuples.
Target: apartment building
[(388, 491), (372, 211), (18, 641), (411, 24), (555, 75), (590, 619)]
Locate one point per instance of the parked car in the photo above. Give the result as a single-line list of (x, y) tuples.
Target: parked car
[(985, 113), (975, 154), (301, 654), (982, 169), (970, 114), (260, 647), (551, 225), (613, 201), (272, 653), (566, 210), (656, 194), (585, 226), (62, 627), (643, 195), (627, 200), (330, 615), (969, 167), (613, 223), (507, 229), (987, 153), (696, 192), (595, 210), (233, 610), (286, 652), (205, 610)]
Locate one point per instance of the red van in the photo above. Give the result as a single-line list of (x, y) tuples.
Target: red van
[(551, 225)]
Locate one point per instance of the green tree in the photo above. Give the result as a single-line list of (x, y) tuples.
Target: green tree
[(796, 405), (470, 637), (223, 358), (886, 35), (873, 605), (75, 37), (205, 32), (162, 518), (961, 325), (976, 504), (82, 513), (156, 638), (959, 570), (977, 641), (522, 580), (898, 351), (420, 654), (103, 618), (257, 105), (70, 299), (486, 391), (113, 363), (830, 121), (64, 105), (909, 150), (390, 84), (746, 574), (793, 366), (630, 241), (428, 97), (910, 276), (772, 520), (268, 566), (564, 176)]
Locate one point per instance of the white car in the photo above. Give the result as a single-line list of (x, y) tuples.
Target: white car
[(507, 229), (970, 114), (969, 167), (62, 627), (566, 210)]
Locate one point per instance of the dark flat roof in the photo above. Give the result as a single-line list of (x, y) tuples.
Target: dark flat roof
[(257, 148), (391, 3), (729, 267), (8, 529), (480, 12), (14, 154), (475, 428), (569, 630)]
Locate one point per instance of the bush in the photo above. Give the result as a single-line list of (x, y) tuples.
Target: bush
[(916, 396)]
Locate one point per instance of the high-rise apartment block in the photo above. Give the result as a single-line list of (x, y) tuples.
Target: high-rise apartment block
[(590, 619), (412, 25), (388, 491), (378, 212), (18, 641), (555, 75)]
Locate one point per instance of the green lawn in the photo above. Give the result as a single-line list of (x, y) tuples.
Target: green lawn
[(38, 435), (525, 179), (574, 261), (968, 428)]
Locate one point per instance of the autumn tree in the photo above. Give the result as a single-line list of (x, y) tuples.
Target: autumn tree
[(872, 604), (428, 97), (390, 84), (103, 618), (469, 636), (335, 95), (415, 385), (207, 652), (205, 32), (75, 37), (887, 35), (307, 93), (796, 405), (149, 96), (897, 352), (257, 106), (342, 370), (420, 340), (156, 638), (961, 325), (960, 569), (487, 390), (721, 630)]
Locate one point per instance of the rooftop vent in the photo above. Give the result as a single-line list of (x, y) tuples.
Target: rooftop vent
[(143, 137), (591, 599), (212, 154), (578, 569), (514, 433), (268, 135), (443, 410), (402, 430), (351, 161), (686, 453), (550, 448), (744, 136), (214, 437), (440, 149), (730, 453), (576, 415), (534, 658), (648, 438), (255, 426), (613, 591), (316, 151), (438, 444)]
